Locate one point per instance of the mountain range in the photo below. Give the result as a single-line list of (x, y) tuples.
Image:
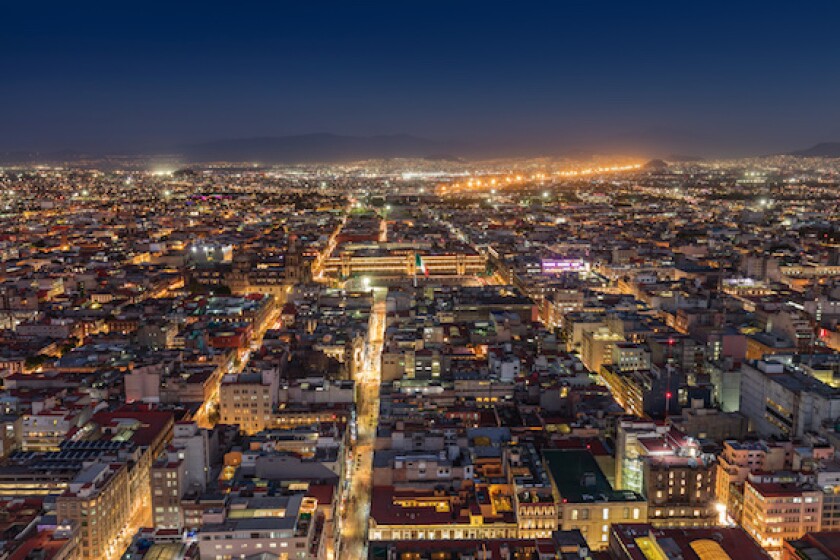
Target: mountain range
[(308, 148), (823, 149), (325, 147)]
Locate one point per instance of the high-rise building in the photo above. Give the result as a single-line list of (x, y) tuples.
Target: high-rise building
[(168, 481), (98, 501)]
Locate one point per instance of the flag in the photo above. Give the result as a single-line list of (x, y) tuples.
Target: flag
[(421, 266)]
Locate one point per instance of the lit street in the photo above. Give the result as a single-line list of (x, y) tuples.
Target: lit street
[(357, 507)]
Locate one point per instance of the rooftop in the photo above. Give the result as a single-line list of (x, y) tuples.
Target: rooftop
[(579, 479)]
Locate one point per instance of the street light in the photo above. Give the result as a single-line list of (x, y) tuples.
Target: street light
[(721, 511)]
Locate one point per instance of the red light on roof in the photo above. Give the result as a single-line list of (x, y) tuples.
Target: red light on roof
[(668, 394)]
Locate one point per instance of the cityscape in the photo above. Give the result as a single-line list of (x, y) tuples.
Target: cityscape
[(628, 360), (420, 281)]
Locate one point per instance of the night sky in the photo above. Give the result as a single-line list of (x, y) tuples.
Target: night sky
[(742, 77)]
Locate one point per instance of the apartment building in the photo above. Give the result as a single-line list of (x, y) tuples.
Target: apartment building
[(248, 400), (586, 500), (98, 501), (775, 512)]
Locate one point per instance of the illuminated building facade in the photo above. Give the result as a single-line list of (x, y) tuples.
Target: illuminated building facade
[(586, 500), (98, 500), (395, 264), (775, 512)]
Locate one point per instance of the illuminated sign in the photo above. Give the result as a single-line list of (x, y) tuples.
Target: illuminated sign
[(556, 266)]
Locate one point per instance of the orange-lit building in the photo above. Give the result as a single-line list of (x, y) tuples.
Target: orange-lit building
[(775, 512), (644, 542)]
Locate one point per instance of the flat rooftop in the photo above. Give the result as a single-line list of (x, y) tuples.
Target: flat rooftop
[(569, 469)]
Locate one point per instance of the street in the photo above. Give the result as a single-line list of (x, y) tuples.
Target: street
[(202, 417), (355, 513)]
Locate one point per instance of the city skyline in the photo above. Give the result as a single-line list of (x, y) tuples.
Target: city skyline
[(575, 359), (419, 281)]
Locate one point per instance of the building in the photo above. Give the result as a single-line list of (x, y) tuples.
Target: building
[(586, 500), (645, 542), (627, 356), (824, 545), (670, 469), (725, 377), (735, 464), (598, 348), (710, 424), (534, 499), (45, 430), (775, 512), (160, 544), (195, 446), (628, 465), (653, 392), (168, 487), (785, 403), (562, 545), (248, 400), (485, 513), (404, 263), (285, 528), (98, 500), (49, 541), (678, 481)]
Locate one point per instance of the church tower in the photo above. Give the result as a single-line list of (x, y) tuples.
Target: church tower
[(238, 280), (297, 268)]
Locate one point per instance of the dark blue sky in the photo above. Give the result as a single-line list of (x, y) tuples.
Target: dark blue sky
[(744, 76)]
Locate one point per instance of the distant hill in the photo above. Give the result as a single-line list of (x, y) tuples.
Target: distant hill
[(655, 165), (313, 148), (684, 158), (823, 149), (38, 157), (17, 157), (443, 157)]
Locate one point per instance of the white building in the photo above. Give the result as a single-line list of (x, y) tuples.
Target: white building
[(783, 402)]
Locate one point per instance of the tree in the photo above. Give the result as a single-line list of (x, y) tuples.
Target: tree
[(34, 362)]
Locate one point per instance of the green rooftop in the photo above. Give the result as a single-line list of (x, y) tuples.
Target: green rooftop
[(579, 479)]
